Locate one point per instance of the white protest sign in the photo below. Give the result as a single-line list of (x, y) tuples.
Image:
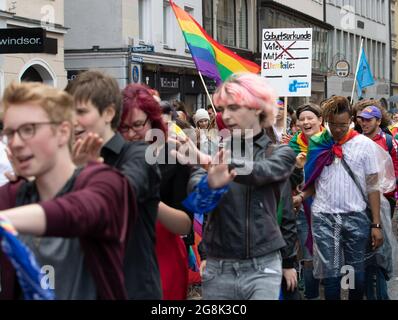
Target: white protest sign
[(286, 60)]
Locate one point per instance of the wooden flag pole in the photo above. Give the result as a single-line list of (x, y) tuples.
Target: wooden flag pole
[(285, 117), (356, 72), (207, 92)]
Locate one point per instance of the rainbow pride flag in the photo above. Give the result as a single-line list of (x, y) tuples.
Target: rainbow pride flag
[(299, 143), (321, 152), (394, 130), (211, 58)]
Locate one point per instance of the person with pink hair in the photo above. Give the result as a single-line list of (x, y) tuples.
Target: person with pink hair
[(242, 238)]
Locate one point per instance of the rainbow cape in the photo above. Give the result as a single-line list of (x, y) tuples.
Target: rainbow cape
[(211, 58), (299, 143), (321, 152)]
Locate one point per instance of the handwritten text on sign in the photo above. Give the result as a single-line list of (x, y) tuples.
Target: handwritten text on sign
[(286, 60)]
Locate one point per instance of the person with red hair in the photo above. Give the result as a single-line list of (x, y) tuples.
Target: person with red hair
[(142, 113)]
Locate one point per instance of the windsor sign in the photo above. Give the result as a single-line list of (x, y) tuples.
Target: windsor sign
[(25, 40)]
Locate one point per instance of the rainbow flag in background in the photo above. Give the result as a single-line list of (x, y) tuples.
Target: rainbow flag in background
[(211, 58)]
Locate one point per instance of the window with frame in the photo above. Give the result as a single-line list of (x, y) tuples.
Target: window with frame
[(358, 5), (208, 16), (383, 60), (243, 35), (188, 10), (367, 3), (168, 25), (231, 24), (144, 20), (382, 11), (226, 22)]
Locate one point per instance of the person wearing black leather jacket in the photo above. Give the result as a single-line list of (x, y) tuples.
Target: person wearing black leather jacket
[(242, 237)]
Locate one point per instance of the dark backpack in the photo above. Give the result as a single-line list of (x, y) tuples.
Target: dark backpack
[(389, 142)]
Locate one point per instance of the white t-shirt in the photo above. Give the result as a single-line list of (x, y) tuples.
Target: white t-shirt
[(4, 164), (278, 133), (336, 192)]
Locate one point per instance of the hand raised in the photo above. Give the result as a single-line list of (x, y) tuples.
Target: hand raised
[(219, 174), (87, 149), (301, 159)]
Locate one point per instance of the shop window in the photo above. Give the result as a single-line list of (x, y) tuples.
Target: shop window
[(144, 18), (168, 26)]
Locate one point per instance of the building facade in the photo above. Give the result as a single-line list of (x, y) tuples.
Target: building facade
[(46, 66), (355, 20), (394, 48), (135, 41)]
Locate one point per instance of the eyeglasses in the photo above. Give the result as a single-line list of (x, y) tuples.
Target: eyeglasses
[(25, 131), (138, 125)]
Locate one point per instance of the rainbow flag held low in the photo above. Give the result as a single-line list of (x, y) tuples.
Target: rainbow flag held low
[(24, 262), (211, 58)]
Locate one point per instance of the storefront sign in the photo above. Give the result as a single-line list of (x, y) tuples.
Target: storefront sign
[(26, 40), (169, 82)]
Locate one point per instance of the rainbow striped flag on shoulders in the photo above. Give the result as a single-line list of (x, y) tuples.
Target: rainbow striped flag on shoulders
[(211, 58), (299, 143)]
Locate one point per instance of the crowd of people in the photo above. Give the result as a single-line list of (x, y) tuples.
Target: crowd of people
[(111, 188)]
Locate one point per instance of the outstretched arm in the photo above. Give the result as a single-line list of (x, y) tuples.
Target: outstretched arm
[(29, 219), (176, 221)]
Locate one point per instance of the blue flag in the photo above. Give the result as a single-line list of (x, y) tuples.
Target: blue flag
[(364, 75), (24, 262)]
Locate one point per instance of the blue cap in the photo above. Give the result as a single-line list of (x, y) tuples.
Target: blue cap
[(370, 112)]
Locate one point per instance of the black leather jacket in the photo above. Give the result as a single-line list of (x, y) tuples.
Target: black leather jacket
[(142, 275), (244, 224)]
